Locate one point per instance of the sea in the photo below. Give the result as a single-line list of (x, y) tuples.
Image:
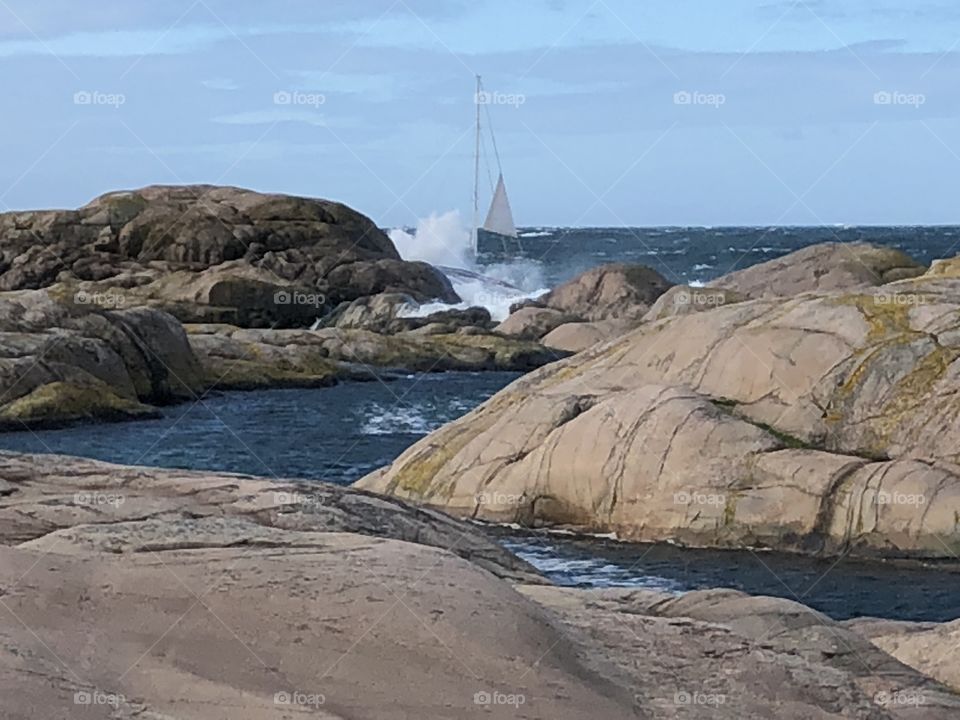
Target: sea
[(341, 433)]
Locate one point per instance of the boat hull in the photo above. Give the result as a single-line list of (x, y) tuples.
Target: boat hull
[(491, 243)]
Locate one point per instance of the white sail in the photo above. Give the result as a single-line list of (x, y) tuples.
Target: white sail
[(500, 218)]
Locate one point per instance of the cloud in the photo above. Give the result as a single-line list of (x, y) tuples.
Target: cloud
[(220, 84), (271, 117)]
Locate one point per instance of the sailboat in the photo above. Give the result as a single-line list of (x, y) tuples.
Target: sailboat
[(498, 234)]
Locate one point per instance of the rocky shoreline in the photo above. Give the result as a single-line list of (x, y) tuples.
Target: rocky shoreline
[(160, 295), (226, 596), (809, 404), (823, 422)]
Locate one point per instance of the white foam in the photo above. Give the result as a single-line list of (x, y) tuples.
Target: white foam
[(396, 420), (443, 240)]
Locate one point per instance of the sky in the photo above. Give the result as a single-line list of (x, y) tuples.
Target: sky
[(607, 112)]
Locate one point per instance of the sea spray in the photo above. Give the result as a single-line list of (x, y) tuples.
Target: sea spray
[(443, 241)]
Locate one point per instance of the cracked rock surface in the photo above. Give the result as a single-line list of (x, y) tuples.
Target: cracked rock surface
[(140, 593), (827, 422)]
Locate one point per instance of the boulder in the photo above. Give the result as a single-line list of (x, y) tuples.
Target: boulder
[(578, 336), (212, 254), (823, 423), (823, 268), (532, 323), (422, 281), (615, 291), (62, 362), (377, 313)]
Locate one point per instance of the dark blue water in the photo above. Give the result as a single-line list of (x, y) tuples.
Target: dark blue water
[(843, 590), (337, 434), (698, 254), (341, 433)]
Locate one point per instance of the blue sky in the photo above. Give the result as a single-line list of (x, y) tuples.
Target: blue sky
[(610, 112)]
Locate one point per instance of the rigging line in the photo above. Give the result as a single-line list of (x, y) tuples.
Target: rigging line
[(486, 164), (493, 138)]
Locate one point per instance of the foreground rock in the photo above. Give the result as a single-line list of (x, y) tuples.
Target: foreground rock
[(822, 423), (145, 593), (931, 648), (211, 254), (813, 665), (121, 509)]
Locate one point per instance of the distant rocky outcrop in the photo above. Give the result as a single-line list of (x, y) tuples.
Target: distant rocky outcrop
[(63, 361), (391, 313), (92, 301), (608, 301), (615, 291), (212, 254), (147, 593), (243, 359), (596, 305), (59, 363), (823, 423), (532, 323)]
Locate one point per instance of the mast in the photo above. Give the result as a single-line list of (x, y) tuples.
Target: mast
[(476, 173)]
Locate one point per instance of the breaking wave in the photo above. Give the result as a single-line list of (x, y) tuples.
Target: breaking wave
[(446, 243)]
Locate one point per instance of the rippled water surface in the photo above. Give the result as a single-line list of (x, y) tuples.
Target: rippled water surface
[(337, 434)]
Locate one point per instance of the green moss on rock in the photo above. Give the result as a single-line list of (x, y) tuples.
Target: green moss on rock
[(60, 403), (231, 374)]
